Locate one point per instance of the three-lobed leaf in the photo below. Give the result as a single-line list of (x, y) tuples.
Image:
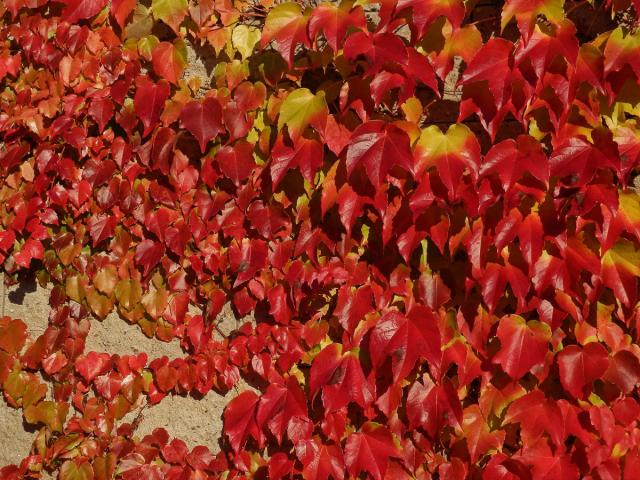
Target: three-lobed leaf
[(300, 109), (378, 148), (286, 26)]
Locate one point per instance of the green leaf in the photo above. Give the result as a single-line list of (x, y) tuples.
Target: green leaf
[(146, 45), (300, 109)]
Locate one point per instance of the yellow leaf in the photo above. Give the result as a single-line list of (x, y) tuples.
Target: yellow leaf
[(74, 288), (105, 280), (155, 301), (128, 293), (412, 110), (99, 304), (623, 255), (244, 39)]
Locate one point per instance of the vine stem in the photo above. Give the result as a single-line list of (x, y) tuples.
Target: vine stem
[(577, 6), (484, 20)]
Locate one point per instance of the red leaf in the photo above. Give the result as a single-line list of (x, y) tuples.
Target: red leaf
[(149, 254), (279, 466), (30, 250), (182, 174), (203, 119), (165, 376), (279, 309), (93, 364), (334, 135), (149, 102), (350, 206), (624, 371), (101, 109), (108, 386), (81, 9), (419, 68), (378, 48), (236, 121), (576, 161), (379, 147), (384, 82), (353, 306), (406, 339), (175, 452), (433, 406), (547, 464), (341, 378), (451, 153), (240, 420), (157, 221), (333, 21), (169, 60), (512, 159), (247, 258), (236, 161), (581, 366), (101, 227), (177, 237), (320, 461), (457, 469), (7, 238), (494, 280), (286, 26), (492, 64), (548, 271), (425, 12), (531, 236), (523, 345), (279, 404), (621, 269), (480, 438), (307, 154), (249, 96), (121, 9), (267, 220), (370, 450), (54, 363), (163, 147), (433, 292)]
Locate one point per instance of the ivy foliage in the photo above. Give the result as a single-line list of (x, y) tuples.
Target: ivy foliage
[(429, 207)]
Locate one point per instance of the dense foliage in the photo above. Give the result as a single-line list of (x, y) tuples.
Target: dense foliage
[(444, 284)]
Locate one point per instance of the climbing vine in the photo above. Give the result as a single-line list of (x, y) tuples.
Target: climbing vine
[(429, 208)]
